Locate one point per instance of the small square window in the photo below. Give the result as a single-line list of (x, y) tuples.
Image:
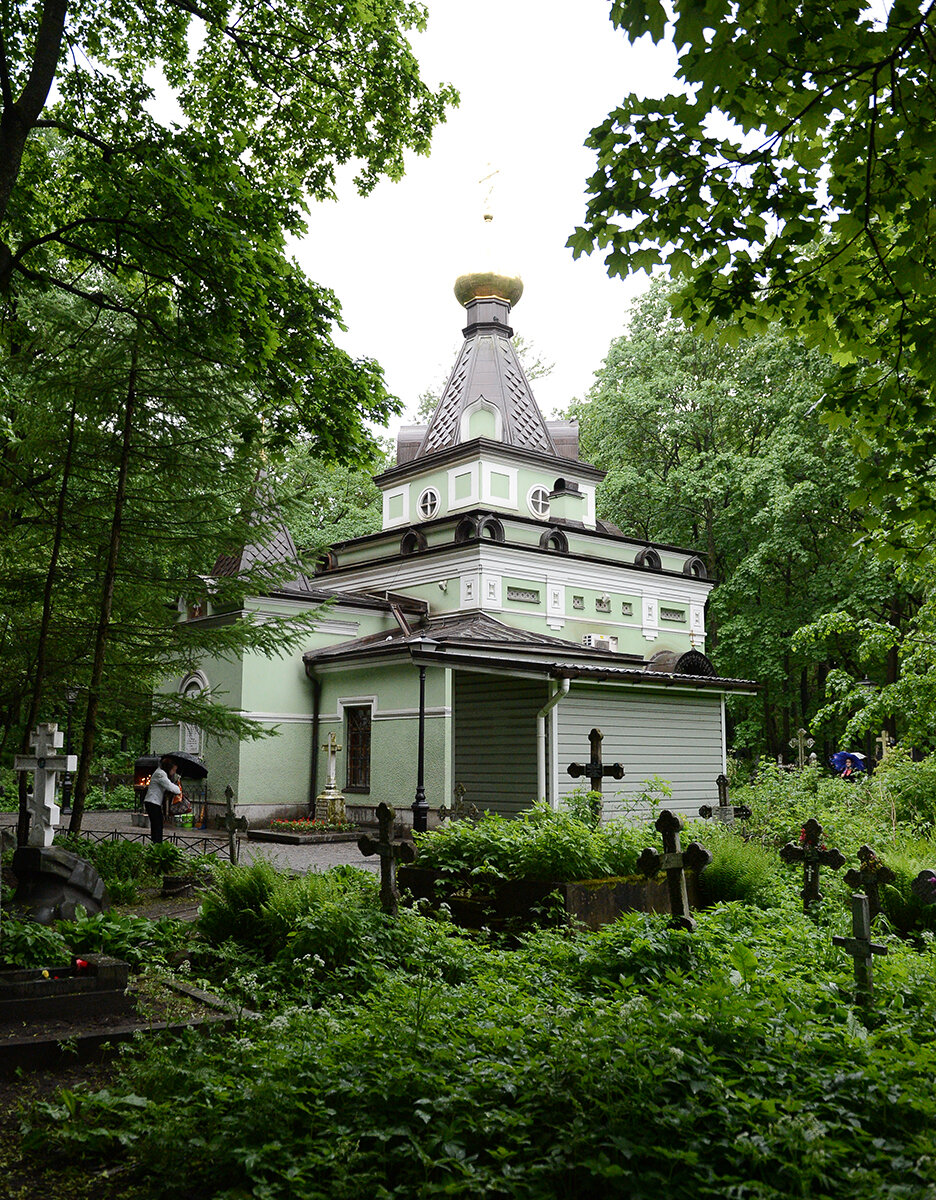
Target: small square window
[(578, 601)]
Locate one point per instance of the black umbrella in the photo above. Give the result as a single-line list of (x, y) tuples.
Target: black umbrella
[(190, 765)]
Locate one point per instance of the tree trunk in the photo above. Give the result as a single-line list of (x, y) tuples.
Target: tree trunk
[(39, 667), (20, 115), (107, 603)]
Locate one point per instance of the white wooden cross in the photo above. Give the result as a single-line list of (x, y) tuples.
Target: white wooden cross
[(45, 765), (801, 743), (883, 743)]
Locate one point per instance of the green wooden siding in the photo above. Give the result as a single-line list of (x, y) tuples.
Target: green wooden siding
[(676, 735), (495, 740)]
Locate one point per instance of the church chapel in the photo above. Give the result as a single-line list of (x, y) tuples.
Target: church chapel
[(494, 601)]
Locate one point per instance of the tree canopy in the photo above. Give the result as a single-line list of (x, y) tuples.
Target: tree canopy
[(271, 97), (707, 446), (158, 346), (791, 177)]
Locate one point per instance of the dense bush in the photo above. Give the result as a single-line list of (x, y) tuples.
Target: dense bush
[(136, 940), (261, 908), (125, 867), (909, 788), (539, 844), (850, 813), (26, 943), (739, 870), (118, 798), (397, 1057)]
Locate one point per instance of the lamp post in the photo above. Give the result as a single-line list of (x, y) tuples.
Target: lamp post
[(420, 805), (71, 695)]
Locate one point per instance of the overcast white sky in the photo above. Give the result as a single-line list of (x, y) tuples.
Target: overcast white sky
[(534, 77)]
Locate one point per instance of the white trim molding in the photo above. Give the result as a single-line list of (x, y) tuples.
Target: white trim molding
[(492, 595), (395, 522), (487, 495), (469, 501)]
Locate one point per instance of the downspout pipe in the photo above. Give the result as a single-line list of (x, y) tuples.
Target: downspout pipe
[(562, 690), (316, 706)]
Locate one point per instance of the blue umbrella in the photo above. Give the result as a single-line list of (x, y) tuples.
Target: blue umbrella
[(840, 758)]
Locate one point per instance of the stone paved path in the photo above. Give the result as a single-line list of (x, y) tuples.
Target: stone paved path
[(296, 858)]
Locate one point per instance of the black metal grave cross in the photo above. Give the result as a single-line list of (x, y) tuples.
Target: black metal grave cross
[(390, 853), (594, 770), (860, 947), (812, 854), (674, 861), (869, 877), (723, 811)]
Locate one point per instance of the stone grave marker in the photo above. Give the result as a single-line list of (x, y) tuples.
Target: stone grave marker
[(233, 824), (45, 765), (869, 877), (390, 853), (860, 947), (461, 809), (674, 861), (330, 803), (812, 854), (723, 811)]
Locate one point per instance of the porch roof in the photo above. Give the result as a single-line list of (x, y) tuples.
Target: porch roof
[(476, 641)]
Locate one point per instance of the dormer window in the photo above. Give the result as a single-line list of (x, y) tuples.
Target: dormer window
[(428, 504), (538, 501)]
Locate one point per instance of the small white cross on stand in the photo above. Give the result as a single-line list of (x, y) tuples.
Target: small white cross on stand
[(45, 764), (330, 804)]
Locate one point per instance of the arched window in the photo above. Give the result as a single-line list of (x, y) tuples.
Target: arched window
[(412, 542), (190, 735), (428, 503), (696, 567), (555, 539), (538, 501), (327, 562), (466, 529), (648, 558), (492, 529)]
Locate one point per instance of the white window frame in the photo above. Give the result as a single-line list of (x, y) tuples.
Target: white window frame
[(538, 487), (431, 496), (394, 522)]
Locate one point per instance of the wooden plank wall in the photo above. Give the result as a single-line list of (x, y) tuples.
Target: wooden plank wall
[(676, 735), (495, 740)]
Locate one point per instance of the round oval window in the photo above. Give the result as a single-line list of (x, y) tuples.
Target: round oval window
[(428, 503), (538, 501)]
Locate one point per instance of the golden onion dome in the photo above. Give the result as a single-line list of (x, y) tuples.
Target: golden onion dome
[(482, 284)]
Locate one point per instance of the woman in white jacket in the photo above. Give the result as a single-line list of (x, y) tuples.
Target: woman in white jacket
[(161, 781)]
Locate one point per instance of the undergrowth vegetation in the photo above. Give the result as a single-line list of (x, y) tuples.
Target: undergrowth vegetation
[(126, 867), (402, 1057)]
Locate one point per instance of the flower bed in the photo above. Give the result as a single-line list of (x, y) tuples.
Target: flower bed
[(310, 825)]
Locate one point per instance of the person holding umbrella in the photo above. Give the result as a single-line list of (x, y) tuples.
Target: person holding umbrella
[(848, 763), (162, 780)]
